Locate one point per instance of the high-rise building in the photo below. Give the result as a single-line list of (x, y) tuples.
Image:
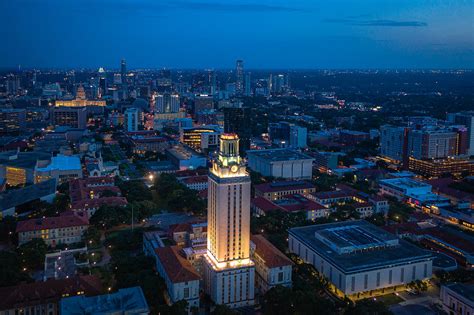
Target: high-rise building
[(238, 120), (298, 137), (432, 144), (75, 117), (229, 273), (466, 119), (131, 119), (394, 143), (248, 84), (167, 103), (203, 102), (239, 72), (12, 121), (123, 70), (12, 84)]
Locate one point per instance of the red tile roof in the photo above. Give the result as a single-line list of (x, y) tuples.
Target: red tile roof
[(176, 267), (96, 203), (273, 257), (297, 202), (264, 204), (50, 291), (441, 185), (333, 194), (66, 219), (280, 186), (195, 179)]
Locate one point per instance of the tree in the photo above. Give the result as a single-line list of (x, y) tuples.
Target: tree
[(32, 254), (92, 236), (223, 310), (11, 272)]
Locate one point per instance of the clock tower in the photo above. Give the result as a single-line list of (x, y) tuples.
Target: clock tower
[(229, 273)]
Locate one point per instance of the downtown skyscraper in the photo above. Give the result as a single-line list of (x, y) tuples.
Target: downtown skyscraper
[(239, 72)]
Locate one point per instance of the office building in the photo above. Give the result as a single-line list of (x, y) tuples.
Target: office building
[(239, 77), (60, 167), (286, 134), (167, 103), (128, 301), (202, 139), (281, 163), (400, 188), (18, 168), (75, 117), (394, 143), (67, 228), (457, 298), (248, 84), (203, 102), (358, 257), (12, 121), (452, 166), (432, 144), (184, 158), (229, 272), (132, 119), (466, 119), (237, 119)]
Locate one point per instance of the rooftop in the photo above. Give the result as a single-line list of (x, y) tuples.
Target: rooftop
[(125, 301), (272, 256), (404, 183), (274, 155), (65, 219), (176, 267), (284, 185), (465, 290), (16, 197), (63, 163), (357, 245), (35, 293)]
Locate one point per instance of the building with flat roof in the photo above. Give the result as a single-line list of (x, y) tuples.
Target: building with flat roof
[(185, 158), (10, 200), (18, 168), (457, 298), (61, 167), (281, 163), (128, 301), (401, 187), (12, 121), (75, 117), (358, 257), (202, 138)]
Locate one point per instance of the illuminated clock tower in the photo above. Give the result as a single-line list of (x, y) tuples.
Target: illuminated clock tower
[(229, 273)]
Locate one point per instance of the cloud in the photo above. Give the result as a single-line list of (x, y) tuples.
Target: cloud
[(384, 23)]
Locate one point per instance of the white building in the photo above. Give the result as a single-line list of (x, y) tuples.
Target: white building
[(167, 103), (401, 187), (281, 163), (182, 280), (356, 256), (272, 266), (466, 119), (298, 137), (131, 119), (229, 273), (458, 298)]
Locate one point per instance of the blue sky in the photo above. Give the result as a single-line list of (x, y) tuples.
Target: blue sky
[(214, 33)]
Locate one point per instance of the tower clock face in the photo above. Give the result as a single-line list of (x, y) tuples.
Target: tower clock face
[(234, 168)]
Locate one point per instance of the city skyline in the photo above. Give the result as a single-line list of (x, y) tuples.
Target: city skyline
[(342, 34)]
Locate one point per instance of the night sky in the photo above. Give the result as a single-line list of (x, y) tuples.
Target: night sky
[(214, 33)]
